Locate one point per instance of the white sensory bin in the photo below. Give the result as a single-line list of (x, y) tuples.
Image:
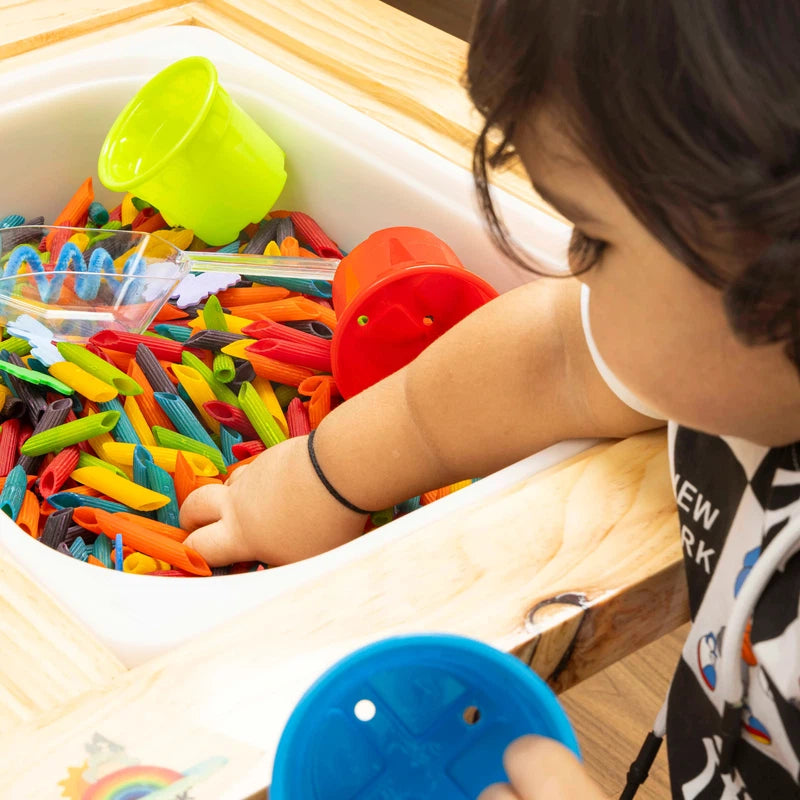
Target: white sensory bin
[(352, 174)]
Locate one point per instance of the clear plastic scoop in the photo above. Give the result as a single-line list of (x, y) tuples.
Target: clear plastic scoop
[(78, 281)]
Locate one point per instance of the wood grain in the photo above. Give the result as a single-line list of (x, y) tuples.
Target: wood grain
[(582, 533), (47, 658)]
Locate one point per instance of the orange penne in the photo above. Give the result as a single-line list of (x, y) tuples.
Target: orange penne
[(255, 294), (186, 480), (319, 406), (151, 410), (288, 310), (28, 517), (249, 460), (290, 246), (137, 535), (277, 371)]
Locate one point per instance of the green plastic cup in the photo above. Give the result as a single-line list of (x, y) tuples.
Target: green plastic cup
[(183, 145)]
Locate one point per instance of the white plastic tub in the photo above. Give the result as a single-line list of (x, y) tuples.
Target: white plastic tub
[(351, 173)]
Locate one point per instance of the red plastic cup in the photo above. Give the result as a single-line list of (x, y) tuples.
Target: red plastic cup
[(394, 294)]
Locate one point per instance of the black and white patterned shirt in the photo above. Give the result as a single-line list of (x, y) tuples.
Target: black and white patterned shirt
[(733, 498)]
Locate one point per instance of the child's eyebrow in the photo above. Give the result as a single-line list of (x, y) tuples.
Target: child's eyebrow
[(572, 210)]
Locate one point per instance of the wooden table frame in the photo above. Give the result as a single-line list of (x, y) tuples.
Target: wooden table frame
[(571, 569)]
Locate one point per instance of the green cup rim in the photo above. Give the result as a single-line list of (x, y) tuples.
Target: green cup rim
[(103, 166)]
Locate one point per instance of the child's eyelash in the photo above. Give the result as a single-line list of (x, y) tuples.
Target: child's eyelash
[(584, 251)]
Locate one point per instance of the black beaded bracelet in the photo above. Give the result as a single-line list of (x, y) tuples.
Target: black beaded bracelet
[(325, 482)]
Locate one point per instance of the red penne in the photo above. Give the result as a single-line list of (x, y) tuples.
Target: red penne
[(128, 342), (244, 450), (309, 232), (297, 418), (303, 354), (231, 417), (56, 474), (9, 445)]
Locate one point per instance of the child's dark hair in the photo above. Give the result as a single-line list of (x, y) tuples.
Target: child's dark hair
[(690, 109)]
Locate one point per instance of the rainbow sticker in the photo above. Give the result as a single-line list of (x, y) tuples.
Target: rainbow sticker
[(131, 783)]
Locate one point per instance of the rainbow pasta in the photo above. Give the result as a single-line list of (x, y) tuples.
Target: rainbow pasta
[(262, 421), (82, 382), (285, 394), (156, 374), (164, 457), (177, 441), (140, 564), (220, 390), (79, 550), (297, 418), (101, 550), (141, 461), (213, 315), (70, 500), (51, 418), (33, 401), (28, 517), (199, 392), (186, 480), (123, 431), (224, 368), (88, 460), (232, 416), (150, 409), (56, 526), (13, 492), (120, 489), (178, 333), (134, 534), (99, 368), (182, 418), (80, 430), (56, 473), (159, 480), (137, 420), (16, 344), (9, 442), (228, 438), (270, 400), (319, 406), (212, 340)]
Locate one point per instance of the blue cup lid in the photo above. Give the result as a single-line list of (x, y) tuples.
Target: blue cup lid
[(410, 718)]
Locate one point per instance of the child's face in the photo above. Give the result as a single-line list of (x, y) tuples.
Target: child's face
[(659, 327)]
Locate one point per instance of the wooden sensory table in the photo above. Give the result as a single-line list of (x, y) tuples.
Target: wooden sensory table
[(571, 570)]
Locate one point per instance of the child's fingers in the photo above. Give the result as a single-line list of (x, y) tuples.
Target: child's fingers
[(498, 791), (203, 506), (214, 543), (542, 769)]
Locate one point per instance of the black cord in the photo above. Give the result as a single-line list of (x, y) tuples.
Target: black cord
[(325, 482), (640, 768)]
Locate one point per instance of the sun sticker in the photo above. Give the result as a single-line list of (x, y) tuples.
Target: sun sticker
[(110, 773)]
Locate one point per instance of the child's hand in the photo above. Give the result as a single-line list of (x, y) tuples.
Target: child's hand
[(541, 769), (274, 510)]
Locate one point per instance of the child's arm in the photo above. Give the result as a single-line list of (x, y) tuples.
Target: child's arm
[(541, 769), (511, 379)]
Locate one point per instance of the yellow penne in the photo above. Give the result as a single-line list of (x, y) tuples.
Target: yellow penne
[(98, 443), (119, 489), (268, 398), (234, 323), (238, 349), (164, 457), (82, 382), (138, 421), (199, 391)]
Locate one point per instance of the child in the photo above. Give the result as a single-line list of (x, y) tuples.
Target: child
[(668, 132)]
